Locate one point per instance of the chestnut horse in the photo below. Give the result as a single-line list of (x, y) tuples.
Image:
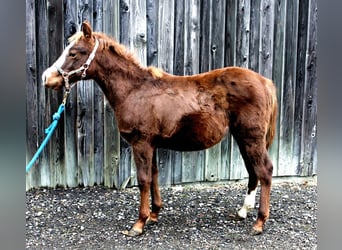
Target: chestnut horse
[(155, 109)]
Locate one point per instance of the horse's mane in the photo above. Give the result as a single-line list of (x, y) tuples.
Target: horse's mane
[(119, 49)]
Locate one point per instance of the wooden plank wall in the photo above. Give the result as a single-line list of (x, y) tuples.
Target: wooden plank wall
[(274, 37)]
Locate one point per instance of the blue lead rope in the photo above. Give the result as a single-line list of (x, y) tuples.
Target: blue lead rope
[(48, 132)]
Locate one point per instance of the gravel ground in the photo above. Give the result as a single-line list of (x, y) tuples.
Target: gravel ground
[(193, 217)]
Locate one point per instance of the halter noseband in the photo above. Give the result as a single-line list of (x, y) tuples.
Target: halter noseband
[(81, 69)]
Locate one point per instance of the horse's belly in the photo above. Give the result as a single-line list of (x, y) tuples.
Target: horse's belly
[(196, 132)]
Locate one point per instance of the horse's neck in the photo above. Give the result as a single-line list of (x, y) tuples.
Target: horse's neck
[(117, 78)]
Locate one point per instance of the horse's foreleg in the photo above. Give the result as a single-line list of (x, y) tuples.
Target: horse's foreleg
[(143, 153), (155, 193)]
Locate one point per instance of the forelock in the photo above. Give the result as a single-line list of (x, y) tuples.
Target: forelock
[(75, 37)]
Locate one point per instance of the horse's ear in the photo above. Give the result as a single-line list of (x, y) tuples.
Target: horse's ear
[(86, 29)]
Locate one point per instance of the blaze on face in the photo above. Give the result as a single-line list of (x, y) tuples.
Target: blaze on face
[(73, 58)]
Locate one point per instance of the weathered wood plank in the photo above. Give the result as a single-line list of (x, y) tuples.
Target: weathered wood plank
[(237, 169), (111, 18), (217, 25), (191, 36), (286, 158), (218, 51), (85, 111), (138, 46), (254, 35), (70, 113), (133, 34), (266, 54), (111, 149), (166, 35), (192, 162), (111, 12), (85, 136), (210, 168), (44, 115), (98, 105), (125, 27), (230, 60), (31, 93), (213, 169), (165, 41), (267, 30), (192, 166), (152, 10), (165, 164), (242, 33), (56, 143), (310, 111), (300, 98), (278, 71), (158, 42), (125, 38), (139, 30), (178, 67), (205, 36), (230, 32)]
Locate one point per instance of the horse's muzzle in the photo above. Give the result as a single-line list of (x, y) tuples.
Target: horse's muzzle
[(52, 79)]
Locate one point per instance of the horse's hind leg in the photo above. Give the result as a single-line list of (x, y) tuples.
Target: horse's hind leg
[(155, 193), (259, 167), (264, 173)]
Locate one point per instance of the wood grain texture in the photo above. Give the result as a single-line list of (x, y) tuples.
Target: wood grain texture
[(85, 111), (286, 114), (70, 113), (275, 38), (192, 162), (31, 93), (111, 167), (164, 33), (43, 171), (310, 112)]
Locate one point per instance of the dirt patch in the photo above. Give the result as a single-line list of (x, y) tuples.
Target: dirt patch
[(198, 217)]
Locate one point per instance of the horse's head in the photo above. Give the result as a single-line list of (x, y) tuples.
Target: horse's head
[(75, 62)]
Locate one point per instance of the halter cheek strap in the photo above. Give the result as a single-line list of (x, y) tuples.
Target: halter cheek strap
[(82, 69)]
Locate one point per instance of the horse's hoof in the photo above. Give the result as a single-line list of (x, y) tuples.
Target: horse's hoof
[(133, 232), (255, 231), (242, 214), (151, 222)]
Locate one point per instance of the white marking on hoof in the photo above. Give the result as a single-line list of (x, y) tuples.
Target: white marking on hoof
[(242, 213), (247, 205)]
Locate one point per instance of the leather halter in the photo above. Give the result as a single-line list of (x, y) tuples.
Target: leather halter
[(81, 69)]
